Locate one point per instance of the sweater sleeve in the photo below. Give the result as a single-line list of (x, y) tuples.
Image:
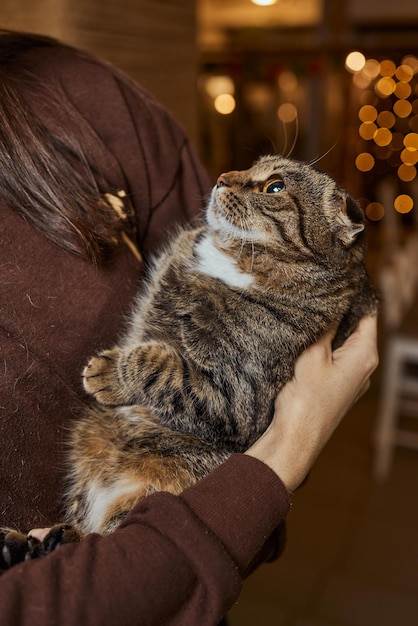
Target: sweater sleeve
[(174, 560)]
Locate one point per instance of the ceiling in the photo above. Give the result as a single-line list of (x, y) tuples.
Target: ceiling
[(217, 17)]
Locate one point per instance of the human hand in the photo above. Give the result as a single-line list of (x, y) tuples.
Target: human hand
[(310, 407), (39, 533)]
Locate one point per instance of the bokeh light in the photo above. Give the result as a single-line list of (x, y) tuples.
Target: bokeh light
[(387, 96), (404, 73), (375, 211), (382, 137), (409, 157), (365, 162), (403, 90), (387, 68), (367, 113), (411, 141), (224, 103), (287, 112), (288, 81), (371, 68), (355, 61), (407, 173), (403, 203), (367, 130), (402, 108), (386, 119), (264, 3), (217, 85), (412, 61), (385, 86)]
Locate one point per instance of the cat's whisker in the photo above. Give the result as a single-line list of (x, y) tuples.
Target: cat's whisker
[(325, 153), (295, 138), (252, 257)]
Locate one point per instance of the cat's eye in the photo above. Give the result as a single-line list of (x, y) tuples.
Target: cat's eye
[(273, 186)]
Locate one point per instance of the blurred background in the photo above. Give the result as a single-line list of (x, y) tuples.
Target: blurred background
[(335, 83)]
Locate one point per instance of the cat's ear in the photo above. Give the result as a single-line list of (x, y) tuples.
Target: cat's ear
[(348, 230), (350, 221)]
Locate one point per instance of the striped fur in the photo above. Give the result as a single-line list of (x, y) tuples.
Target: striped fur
[(227, 309)]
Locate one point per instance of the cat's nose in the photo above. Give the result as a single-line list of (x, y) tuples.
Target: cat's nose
[(223, 181)]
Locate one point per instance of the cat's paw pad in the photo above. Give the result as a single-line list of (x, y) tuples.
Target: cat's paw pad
[(100, 378)]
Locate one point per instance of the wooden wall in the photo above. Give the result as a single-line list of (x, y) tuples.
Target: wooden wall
[(152, 40)]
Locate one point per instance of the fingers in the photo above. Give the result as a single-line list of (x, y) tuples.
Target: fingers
[(39, 533), (360, 349)]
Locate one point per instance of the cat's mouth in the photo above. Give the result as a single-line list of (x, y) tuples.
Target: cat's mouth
[(224, 222)]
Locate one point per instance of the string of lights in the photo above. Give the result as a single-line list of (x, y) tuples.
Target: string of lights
[(388, 122)]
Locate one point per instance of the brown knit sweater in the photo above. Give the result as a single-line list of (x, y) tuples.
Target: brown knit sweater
[(175, 560)]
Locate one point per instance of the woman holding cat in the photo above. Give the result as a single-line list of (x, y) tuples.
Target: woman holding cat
[(70, 262)]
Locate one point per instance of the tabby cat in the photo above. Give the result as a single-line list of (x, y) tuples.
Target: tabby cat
[(214, 336)]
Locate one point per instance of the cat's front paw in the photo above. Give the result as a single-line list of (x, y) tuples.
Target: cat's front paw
[(17, 547), (58, 536), (100, 378)]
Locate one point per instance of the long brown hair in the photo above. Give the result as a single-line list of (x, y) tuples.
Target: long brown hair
[(43, 173)]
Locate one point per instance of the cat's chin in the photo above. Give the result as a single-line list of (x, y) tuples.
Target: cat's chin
[(224, 229)]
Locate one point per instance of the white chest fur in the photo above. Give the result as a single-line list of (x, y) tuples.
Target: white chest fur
[(217, 264)]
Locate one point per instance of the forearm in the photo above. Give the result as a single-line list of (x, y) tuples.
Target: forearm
[(310, 407), (175, 560)]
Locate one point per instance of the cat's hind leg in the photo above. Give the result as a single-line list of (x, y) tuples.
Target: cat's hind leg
[(119, 456)]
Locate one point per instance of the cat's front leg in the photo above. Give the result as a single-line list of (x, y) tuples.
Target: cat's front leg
[(146, 374), (103, 378)]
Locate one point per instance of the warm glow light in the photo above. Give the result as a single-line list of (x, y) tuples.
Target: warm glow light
[(375, 211), (402, 108), (364, 162), (224, 103), (360, 80), (288, 81), (355, 62), (385, 86), (403, 203), (403, 90), (412, 62), (411, 141), (382, 137), (287, 112), (371, 68), (407, 172), (264, 3), (367, 113), (386, 119), (387, 68), (404, 73), (216, 85), (409, 157), (367, 130)]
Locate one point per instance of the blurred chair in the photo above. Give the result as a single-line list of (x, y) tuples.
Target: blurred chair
[(398, 280)]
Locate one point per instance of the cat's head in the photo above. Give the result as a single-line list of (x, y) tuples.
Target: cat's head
[(284, 203)]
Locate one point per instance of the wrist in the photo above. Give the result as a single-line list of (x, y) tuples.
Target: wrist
[(282, 456)]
